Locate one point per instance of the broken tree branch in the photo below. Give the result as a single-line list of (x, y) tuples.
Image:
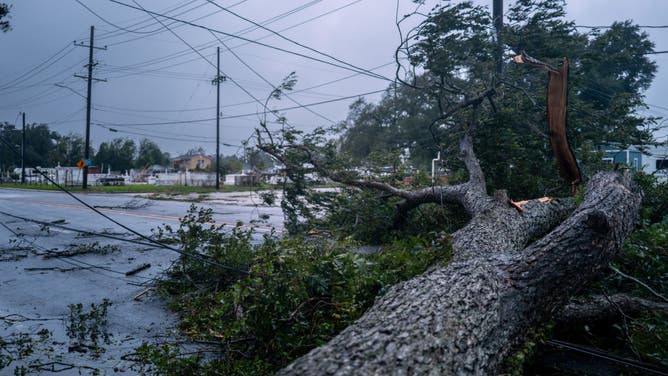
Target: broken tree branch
[(641, 283), (465, 318), (600, 307)]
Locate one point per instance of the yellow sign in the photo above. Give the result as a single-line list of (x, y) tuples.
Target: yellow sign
[(81, 163)]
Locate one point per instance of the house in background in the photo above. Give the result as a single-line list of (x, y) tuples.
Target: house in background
[(652, 160), (631, 157), (192, 162)]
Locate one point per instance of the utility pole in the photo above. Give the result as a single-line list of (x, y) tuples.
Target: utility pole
[(90, 80), (217, 81), (497, 15), (23, 151)]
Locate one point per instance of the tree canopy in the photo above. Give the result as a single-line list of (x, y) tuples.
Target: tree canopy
[(150, 154), (47, 148), (4, 15), (118, 154), (38, 148), (453, 51)]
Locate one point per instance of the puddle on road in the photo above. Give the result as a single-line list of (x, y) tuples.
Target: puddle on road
[(54, 318)]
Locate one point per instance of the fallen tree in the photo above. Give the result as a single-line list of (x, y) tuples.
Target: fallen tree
[(466, 317), (514, 265)]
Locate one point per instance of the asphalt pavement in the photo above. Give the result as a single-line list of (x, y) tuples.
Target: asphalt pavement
[(39, 293)]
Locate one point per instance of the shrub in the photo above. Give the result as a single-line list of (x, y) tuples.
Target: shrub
[(299, 293)]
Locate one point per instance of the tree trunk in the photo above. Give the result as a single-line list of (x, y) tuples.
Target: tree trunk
[(465, 318)]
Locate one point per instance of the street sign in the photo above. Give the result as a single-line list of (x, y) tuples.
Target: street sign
[(81, 163)]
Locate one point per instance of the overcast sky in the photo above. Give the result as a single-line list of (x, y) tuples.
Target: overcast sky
[(158, 87)]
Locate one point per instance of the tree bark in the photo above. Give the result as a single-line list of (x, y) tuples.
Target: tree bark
[(601, 307), (465, 318)]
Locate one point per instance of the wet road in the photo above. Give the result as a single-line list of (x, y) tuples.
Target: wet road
[(146, 214), (36, 290)]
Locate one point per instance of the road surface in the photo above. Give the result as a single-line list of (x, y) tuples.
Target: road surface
[(36, 292)]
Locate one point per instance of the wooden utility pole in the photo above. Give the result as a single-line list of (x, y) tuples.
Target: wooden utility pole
[(217, 81), (89, 79), (497, 14), (23, 150)]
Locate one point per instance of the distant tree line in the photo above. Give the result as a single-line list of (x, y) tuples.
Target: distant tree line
[(47, 148)]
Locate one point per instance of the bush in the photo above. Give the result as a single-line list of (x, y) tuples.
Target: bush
[(298, 295), (644, 262), (370, 217)]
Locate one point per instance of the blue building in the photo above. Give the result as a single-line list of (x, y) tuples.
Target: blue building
[(631, 157), (654, 159)]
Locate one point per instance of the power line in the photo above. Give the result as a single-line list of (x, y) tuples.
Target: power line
[(248, 30), (608, 356), (126, 29), (305, 21), (109, 22), (274, 88), (246, 114), (218, 71), (30, 71), (34, 74), (372, 74), (160, 29), (165, 246), (148, 21), (253, 41), (71, 260), (275, 18), (242, 103), (162, 137)]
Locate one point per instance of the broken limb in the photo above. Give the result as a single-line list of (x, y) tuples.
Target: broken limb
[(466, 317)]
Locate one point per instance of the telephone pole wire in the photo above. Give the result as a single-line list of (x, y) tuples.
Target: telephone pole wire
[(23, 150), (217, 81), (90, 80)]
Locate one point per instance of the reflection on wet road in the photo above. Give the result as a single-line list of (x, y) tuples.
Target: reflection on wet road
[(39, 292)]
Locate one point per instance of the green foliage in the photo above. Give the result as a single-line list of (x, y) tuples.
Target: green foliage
[(38, 148), (86, 329), (4, 13), (454, 47), (149, 154), (166, 359), (370, 217), (362, 215), (231, 165), (87, 248), (648, 336), (645, 252), (299, 294), (68, 149), (655, 197), (119, 153), (515, 363), (20, 346), (644, 257)]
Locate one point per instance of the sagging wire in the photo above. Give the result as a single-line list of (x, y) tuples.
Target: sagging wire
[(195, 256), (71, 261)]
